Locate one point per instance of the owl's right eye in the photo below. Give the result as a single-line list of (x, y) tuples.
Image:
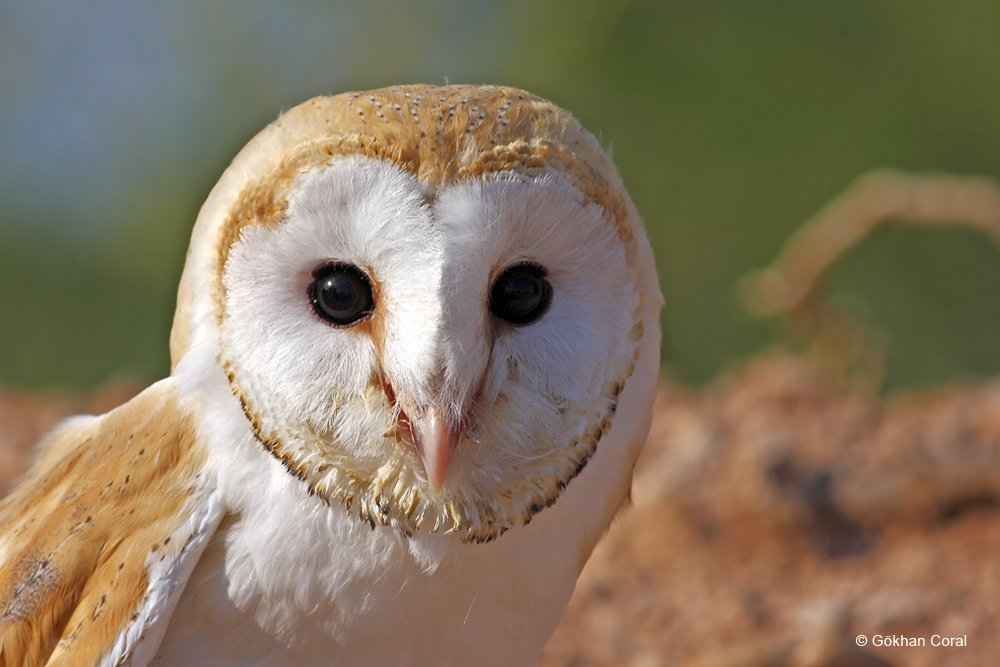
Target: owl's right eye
[(341, 294)]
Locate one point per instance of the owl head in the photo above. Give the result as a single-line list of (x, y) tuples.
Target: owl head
[(429, 302)]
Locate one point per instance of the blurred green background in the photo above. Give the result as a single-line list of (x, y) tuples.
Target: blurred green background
[(731, 123)]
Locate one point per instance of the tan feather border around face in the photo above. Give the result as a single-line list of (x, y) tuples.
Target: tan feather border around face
[(393, 496), (442, 135), (461, 133)]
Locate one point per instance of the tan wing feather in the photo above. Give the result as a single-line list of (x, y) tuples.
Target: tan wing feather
[(77, 534)]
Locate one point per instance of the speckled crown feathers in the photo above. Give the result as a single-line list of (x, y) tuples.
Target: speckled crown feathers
[(442, 134)]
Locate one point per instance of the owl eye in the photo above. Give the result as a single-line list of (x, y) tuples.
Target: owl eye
[(341, 294), (521, 294)]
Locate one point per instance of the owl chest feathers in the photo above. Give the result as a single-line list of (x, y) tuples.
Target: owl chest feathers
[(289, 579)]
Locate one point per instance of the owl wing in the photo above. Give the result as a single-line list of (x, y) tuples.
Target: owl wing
[(98, 540)]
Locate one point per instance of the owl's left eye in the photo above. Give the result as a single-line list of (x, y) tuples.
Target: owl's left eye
[(521, 294), (341, 294)]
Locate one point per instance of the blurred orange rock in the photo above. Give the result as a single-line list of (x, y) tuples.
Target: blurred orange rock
[(777, 517)]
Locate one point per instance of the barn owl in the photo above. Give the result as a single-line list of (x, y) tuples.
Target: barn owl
[(414, 355)]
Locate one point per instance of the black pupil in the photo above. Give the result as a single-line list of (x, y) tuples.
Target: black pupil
[(341, 294), (521, 294)]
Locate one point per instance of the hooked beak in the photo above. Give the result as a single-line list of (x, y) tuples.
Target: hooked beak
[(433, 435), (435, 439)]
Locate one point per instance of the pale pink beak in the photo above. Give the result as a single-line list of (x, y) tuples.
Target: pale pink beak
[(436, 440)]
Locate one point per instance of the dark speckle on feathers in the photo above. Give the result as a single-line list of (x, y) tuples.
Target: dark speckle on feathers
[(28, 590)]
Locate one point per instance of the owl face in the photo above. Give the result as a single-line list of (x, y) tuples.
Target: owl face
[(436, 343)]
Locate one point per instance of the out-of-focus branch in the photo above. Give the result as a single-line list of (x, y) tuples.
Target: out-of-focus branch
[(792, 286), (870, 202)]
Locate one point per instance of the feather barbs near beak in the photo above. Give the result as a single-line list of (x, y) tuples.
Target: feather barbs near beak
[(433, 434)]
